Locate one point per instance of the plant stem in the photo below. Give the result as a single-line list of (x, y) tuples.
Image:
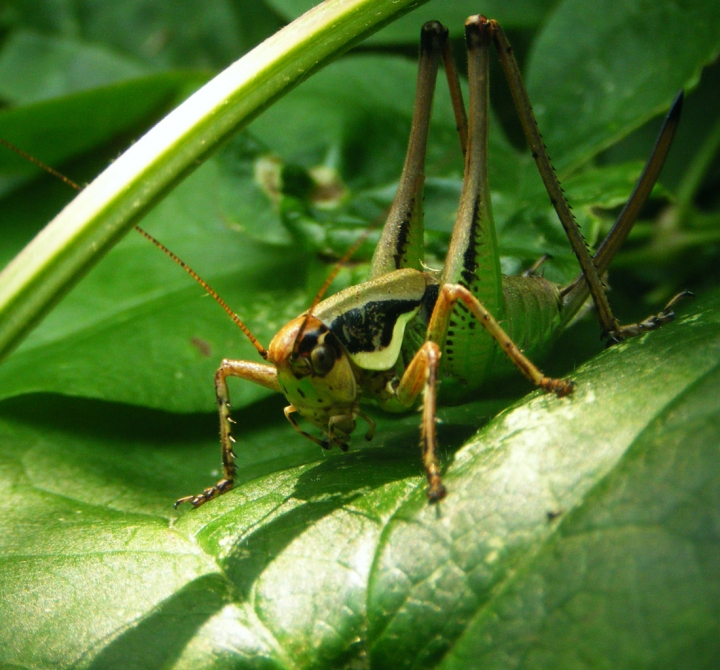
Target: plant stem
[(99, 216)]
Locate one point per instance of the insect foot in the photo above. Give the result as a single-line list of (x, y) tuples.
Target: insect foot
[(223, 486), (436, 491), (560, 387), (653, 322)]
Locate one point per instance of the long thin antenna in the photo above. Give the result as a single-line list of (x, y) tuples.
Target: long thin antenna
[(238, 322), (40, 164), (261, 350), (330, 278)]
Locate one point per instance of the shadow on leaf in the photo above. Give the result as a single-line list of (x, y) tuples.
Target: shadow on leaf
[(159, 639), (336, 483)]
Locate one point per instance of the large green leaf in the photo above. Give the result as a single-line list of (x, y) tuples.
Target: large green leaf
[(34, 67), (64, 127), (579, 532), (104, 333), (611, 66), (576, 528), (162, 35)]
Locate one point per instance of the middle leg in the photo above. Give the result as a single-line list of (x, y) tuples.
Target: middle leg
[(421, 375)]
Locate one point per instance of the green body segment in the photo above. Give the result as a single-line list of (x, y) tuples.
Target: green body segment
[(533, 317), (370, 319), (473, 259), (534, 314)]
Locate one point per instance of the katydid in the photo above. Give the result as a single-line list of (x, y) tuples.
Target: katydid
[(412, 336)]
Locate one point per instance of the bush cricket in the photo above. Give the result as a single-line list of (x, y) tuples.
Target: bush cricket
[(411, 336)]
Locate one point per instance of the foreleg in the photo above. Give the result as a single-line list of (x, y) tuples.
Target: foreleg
[(421, 375), (265, 375)]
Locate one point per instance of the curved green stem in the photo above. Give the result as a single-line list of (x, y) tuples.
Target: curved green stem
[(88, 227)]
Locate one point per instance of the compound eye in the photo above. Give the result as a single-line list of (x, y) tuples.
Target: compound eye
[(323, 358)]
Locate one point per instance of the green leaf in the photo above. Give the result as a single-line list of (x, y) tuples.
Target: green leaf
[(626, 65), (529, 226), (35, 67), (136, 298), (61, 128), (529, 549), (174, 34), (162, 35), (575, 528)]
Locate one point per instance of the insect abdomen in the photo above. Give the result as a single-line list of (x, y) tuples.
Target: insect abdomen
[(532, 317)]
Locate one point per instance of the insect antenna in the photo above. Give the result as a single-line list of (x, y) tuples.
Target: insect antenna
[(211, 291), (329, 280), (40, 164)]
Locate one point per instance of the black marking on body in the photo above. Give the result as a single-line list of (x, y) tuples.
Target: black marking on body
[(402, 236), (370, 328), (470, 256), (432, 292), (309, 340)]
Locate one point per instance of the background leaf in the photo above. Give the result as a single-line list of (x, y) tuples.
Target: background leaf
[(577, 532), (605, 80)]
